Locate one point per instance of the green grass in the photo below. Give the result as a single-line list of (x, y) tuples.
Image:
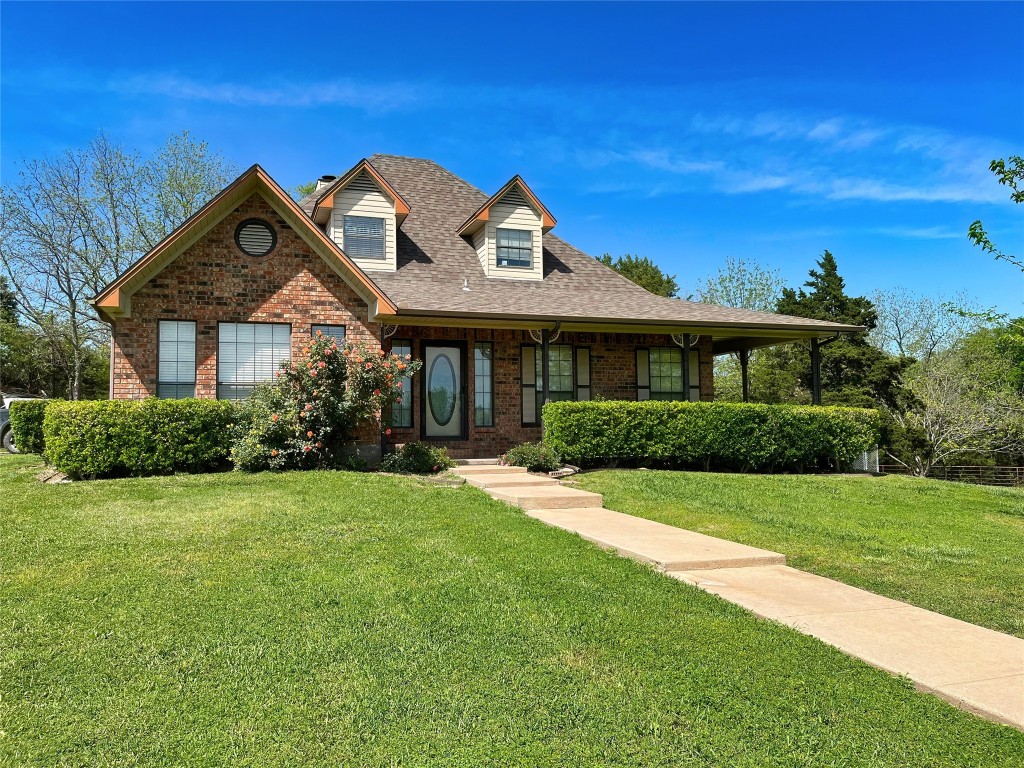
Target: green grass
[(953, 548), (337, 619)]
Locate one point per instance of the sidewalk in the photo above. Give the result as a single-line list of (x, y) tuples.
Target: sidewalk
[(976, 669)]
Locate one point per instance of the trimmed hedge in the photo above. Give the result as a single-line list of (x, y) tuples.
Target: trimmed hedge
[(27, 424), (114, 438), (736, 436)]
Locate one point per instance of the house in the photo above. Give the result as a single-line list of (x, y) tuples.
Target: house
[(402, 254)]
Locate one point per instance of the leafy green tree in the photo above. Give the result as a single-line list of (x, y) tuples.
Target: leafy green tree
[(643, 272), (8, 303), (1010, 174), (853, 372), (70, 223), (300, 191)]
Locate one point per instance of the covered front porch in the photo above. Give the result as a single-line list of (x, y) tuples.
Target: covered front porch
[(481, 389)]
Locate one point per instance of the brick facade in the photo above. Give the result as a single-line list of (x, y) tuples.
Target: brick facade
[(213, 282)]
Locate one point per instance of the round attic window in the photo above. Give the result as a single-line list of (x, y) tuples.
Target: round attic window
[(255, 237)]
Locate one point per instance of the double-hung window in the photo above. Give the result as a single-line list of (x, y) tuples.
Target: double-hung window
[(515, 248), (248, 354), (176, 374), (401, 412), (569, 376), (660, 374), (363, 237), (483, 384)]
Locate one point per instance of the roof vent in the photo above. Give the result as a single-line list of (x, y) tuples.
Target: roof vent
[(325, 181)]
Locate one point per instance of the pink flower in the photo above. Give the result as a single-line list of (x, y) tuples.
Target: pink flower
[(376, 392), (274, 417), (274, 452), (328, 351), (306, 449), (313, 373), (321, 364), (319, 445), (408, 357), (309, 406), (434, 468), (369, 366), (309, 433), (388, 431), (399, 385)]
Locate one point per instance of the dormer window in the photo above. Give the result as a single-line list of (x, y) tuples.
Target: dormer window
[(515, 248), (363, 237)]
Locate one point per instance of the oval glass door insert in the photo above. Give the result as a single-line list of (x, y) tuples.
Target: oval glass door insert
[(441, 394)]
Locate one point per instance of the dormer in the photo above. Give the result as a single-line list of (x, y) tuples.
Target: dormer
[(507, 233), (362, 212)]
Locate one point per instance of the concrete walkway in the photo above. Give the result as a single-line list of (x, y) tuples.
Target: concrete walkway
[(976, 669)]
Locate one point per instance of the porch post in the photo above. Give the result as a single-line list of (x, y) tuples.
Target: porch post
[(815, 372), (545, 341), (744, 359), (686, 367)]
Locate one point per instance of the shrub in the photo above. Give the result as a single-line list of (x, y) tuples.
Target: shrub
[(307, 416), (417, 458), (536, 457), (110, 438), (27, 424), (735, 436)]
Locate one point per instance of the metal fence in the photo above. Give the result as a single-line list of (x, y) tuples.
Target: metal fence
[(1012, 477)]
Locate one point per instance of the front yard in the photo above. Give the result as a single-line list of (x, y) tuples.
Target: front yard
[(338, 619), (952, 548)]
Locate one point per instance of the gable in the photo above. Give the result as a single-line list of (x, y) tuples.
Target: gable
[(114, 301)]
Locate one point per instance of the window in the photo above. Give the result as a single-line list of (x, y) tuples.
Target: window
[(401, 413), (560, 370), (364, 237), (660, 374), (515, 248), (176, 374), (336, 332), (255, 237), (483, 384), (247, 354)]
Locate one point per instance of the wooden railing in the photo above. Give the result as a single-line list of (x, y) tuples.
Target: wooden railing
[(1012, 477)]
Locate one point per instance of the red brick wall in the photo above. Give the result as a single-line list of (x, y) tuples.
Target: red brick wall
[(213, 281), (612, 372)]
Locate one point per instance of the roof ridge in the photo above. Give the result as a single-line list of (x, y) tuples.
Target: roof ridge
[(436, 165)]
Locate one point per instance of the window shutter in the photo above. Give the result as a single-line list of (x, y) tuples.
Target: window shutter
[(528, 377), (694, 376), (643, 374), (583, 373)]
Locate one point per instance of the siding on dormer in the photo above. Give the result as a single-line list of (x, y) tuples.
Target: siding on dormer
[(362, 197)]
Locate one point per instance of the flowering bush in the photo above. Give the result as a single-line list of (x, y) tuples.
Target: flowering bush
[(418, 458), (306, 418)]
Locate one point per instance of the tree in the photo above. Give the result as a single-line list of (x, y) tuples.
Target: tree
[(963, 400), (73, 222), (742, 284), (745, 285), (300, 191), (8, 303), (1009, 174), (915, 326), (853, 372), (643, 272)]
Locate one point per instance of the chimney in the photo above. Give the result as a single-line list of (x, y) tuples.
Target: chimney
[(324, 181)]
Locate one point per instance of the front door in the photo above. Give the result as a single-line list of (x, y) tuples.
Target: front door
[(444, 397)]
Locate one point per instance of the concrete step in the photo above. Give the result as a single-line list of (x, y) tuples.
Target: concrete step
[(487, 469), (510, 480), (667, 547), (477, 462), (547, 497)]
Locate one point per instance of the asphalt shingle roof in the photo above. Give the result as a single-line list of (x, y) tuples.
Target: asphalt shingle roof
[(434, 263)]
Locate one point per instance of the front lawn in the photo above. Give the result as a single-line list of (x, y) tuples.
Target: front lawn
[(953, 548), (338, 619)]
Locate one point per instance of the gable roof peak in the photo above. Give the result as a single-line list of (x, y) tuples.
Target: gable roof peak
[(325, 197), (482, 213)]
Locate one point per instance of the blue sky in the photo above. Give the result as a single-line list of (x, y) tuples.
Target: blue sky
[(684, 132)]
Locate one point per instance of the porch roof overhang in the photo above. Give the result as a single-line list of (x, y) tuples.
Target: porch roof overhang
[(725, 337)]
